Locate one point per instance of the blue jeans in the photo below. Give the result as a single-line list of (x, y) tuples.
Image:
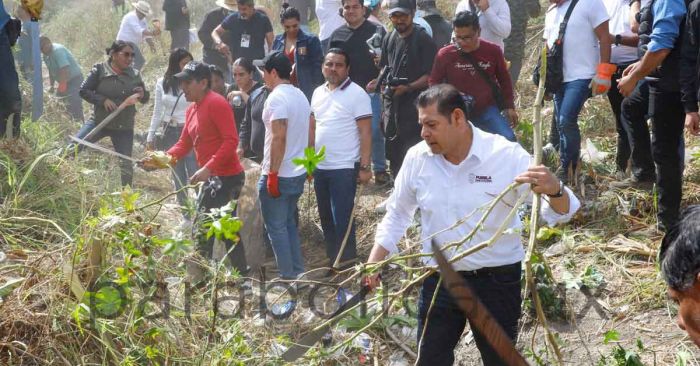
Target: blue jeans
[(279, 217), (378, 149), (568, 102), (335, 194), (498, 288), (491, 120)]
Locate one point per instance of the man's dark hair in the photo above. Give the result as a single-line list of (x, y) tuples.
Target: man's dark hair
[(466, 19), (340, 51), (447, 97), (362, 3), (679, 256), (246, 2)]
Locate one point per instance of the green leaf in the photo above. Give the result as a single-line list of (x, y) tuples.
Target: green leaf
[(10, 285), (108, 301), (682, 358), (545, 233), (611, 336)]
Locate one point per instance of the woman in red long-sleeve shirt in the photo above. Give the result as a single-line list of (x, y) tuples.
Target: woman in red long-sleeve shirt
[(210, 130)]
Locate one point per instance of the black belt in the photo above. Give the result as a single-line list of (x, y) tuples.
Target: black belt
[(487, 271)]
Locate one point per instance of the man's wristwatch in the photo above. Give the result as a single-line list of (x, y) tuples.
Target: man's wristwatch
[(618, 39), (367, 167), (561, 191)]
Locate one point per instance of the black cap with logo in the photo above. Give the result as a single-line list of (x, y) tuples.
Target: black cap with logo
[(194, 70)]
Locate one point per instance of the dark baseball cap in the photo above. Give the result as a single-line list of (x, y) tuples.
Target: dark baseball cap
[(403, 6), (194, 70), (275, 61)]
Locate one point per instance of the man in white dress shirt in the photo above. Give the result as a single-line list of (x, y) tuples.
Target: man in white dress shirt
[(454, 172)]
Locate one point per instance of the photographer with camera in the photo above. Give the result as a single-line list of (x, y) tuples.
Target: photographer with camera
[(477, 68), (362, 39), (407, 58)]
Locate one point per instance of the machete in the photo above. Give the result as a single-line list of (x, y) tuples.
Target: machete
[(103, 149), (479, 317), (308, 341)]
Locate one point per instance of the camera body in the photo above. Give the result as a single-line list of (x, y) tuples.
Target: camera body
[(394, 81)]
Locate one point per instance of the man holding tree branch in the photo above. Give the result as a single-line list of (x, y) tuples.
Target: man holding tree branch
[(456, 172)]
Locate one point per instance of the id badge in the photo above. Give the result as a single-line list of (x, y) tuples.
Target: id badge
[(302, 51), (245, 40)]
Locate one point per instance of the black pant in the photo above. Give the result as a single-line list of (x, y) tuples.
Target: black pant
[(633, 116), (498, 288), (396, 150), (123, 142), (615, 98), (210, 198), (668, 151)]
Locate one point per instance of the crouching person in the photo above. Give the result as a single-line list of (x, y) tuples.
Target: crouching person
[(680, 267), (455, 171), (211, 131)]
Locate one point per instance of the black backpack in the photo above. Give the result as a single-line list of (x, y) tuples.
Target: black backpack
[(555, 59)]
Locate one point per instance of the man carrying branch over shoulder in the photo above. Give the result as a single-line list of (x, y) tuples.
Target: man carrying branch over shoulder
[(457, 171)]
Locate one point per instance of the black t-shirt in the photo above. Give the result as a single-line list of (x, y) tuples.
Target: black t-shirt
[(210, 54), (174, 19), (252, 132), (410, 58), (354, 42), (247, 37), (442, 29)]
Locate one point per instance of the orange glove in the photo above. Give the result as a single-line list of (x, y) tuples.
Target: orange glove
[(62, 87), (273, 185), (601, 82)]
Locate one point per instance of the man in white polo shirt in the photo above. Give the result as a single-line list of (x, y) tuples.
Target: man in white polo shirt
[(286, 116), (456, 171), (134, 28), (342, 122)]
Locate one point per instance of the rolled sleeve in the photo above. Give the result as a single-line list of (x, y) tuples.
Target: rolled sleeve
[(666, 29), (400, 209)]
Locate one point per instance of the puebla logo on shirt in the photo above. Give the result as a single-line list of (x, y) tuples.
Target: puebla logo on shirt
[(473, 178)]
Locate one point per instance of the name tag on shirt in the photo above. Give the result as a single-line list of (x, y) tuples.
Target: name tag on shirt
[(245, 40)]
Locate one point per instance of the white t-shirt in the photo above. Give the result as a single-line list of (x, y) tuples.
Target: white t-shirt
[(163, 105), (290, 103), (337, 112), (494, 22), (581, 49), (131, 29), (619, 12), (328, 17)]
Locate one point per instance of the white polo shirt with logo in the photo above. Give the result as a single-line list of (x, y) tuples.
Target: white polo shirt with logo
[(446, 193), (337, 112)]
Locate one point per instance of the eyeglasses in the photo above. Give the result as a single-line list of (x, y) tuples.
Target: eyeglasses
[(128, 54)]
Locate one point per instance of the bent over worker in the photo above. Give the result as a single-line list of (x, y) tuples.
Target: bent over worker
[(456, 170)]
